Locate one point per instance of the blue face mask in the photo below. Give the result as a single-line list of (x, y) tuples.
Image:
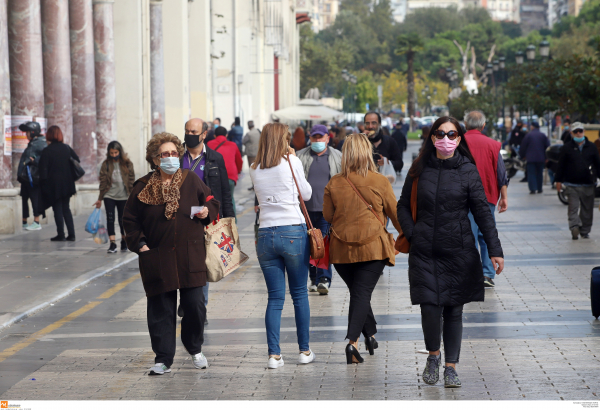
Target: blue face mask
[(524, 129), (566, 127), (169, 165), (579, 140), (318, 146)]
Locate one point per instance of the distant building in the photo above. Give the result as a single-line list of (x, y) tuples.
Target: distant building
[(322, 13), (574, 7), (500, 10), (534, 15)]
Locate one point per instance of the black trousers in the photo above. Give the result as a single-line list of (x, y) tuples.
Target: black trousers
[(361, 278), (162, 323), (62, 215), (34, 194), (433, 319), (110, 205)]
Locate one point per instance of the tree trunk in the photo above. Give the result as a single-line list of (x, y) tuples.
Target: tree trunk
[(410, 81)]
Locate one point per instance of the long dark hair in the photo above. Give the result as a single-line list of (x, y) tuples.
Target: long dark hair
[(428, 148), (123, 158)]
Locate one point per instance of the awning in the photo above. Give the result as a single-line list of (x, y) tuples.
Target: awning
[(307, 110)]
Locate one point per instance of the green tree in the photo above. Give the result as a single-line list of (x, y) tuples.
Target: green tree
[(409, 45), (366, 91)]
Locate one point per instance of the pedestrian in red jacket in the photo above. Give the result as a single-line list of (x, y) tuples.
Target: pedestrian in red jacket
[(232, 156)]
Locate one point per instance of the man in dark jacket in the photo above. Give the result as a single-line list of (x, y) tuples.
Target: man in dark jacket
[(383, 145), (28, 174), (533, 150), (517, 134), (566, 135), (210, 167), (400, 137), (236, 133), (578, 167)]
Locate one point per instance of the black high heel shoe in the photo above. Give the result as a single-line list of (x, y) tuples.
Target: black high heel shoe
[(351, 351), (371, 344)]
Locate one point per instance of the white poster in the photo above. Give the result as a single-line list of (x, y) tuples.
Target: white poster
[(18, 137), (43, 124), (7, 136)]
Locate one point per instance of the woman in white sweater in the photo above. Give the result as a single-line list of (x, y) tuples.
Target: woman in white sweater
[(282, 239)]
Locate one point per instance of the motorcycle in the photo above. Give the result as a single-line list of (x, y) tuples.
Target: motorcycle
[(512, 162)]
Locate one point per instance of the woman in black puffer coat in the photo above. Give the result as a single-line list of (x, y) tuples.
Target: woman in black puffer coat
[(445, 269)]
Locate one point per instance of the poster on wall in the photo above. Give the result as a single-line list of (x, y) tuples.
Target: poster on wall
[(7, 136), (43, 124), (19, 139)]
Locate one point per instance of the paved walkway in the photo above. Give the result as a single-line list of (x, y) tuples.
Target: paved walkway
[(533, 338)]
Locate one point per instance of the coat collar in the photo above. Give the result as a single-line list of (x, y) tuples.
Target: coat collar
[(457, 160)]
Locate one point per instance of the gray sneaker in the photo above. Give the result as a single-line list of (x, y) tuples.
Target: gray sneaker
[(158, 369), (200, 361), (450, 377), (431, 374)]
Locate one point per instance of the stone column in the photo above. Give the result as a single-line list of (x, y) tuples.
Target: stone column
[(26, 68), (157, 68), (104, 55), (5, 160), (84, 86), (57, 66)]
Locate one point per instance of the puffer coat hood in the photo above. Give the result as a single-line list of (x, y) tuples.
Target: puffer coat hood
[(444, 264)]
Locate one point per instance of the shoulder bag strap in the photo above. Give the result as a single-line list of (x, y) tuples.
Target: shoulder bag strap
[(366, 203), (219, 146), (304, 211)]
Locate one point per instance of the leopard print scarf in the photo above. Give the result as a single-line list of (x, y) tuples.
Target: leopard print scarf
[(156, 193)]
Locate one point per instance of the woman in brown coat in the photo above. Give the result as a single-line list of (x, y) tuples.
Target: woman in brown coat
[(116, 183), (360, 244), (160, 228)]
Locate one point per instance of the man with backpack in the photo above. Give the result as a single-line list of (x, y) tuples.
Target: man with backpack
[(28, 174)]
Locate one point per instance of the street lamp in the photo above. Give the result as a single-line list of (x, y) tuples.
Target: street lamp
[(519, 57), (545, 49), (502, 62), (530, 51)]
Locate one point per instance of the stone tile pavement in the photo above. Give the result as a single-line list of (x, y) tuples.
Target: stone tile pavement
[(533, 338)]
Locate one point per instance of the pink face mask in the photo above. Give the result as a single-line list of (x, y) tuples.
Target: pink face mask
[(446, 146)]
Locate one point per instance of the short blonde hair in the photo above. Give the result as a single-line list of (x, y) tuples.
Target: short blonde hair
[(272, 145), (357, 155), (154, 145)]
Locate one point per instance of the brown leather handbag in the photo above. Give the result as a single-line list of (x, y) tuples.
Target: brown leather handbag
[(402, 245), (315, 236)]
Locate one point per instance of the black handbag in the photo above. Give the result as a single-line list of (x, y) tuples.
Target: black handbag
[(76, 169)]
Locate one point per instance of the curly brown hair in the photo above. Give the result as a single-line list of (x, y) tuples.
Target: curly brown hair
[(156, 141)]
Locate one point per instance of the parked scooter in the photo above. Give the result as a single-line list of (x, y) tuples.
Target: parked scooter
[(512, 162)]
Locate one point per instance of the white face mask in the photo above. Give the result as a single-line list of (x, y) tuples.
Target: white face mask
[(169, 165)]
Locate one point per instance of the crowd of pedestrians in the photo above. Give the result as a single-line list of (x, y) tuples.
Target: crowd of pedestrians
[(326, 178)]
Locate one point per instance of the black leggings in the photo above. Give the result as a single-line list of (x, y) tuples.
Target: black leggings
[(361, 278), (433, 318), (109, 205), (34, 194), (62, 215)]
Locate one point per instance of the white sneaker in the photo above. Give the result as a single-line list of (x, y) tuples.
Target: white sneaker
[(158, 369), (34, 227), (323, 288), (312, 287), (304, 358), (200, 361), (275, 363)]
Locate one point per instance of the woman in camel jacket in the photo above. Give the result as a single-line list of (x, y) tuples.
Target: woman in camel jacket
[(360, 245)]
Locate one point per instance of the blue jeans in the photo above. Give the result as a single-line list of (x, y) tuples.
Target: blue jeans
[(281, 249), (205, 291), (535, 176), (488, 267), (320, 223)]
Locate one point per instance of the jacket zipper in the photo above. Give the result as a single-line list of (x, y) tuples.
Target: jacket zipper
[(437, 190)]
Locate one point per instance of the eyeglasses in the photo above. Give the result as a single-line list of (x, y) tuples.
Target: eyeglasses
[(168, 154), (439, 134), (577, 131)]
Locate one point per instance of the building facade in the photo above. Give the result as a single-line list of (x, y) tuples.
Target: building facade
[(123, 70)]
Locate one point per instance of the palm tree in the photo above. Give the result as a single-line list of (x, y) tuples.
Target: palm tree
[(410, 44)]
